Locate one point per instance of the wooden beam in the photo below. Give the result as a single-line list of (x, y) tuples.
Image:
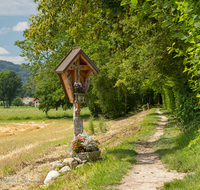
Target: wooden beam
[(68, 87), (85, 68), (89, 73), (86, 61), (82, 79)]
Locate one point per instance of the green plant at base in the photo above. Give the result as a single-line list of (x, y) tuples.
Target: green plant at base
[(8, 170), (91, 126), (102, 125)]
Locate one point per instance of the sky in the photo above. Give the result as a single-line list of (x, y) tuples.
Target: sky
[(13, 21)]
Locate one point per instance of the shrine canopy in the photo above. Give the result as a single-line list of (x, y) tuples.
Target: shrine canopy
[(75, 68)]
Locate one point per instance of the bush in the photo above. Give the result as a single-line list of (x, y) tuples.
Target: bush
[(91, 126), (102, 125), (17, 102)]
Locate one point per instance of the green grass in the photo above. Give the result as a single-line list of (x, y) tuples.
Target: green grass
[(31, 113), (174, 151), (117, 159)]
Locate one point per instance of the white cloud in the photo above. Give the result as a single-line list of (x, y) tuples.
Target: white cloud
[(4, 30), (21, 26), (3, 51), (15, 59), (17, 7)]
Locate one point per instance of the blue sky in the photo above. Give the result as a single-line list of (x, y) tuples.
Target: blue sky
[(13, 21)]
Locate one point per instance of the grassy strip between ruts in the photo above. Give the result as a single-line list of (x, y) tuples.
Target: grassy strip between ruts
[(116, 160), (174, 151)]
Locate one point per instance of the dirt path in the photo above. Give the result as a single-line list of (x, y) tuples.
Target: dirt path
[(149, 173)]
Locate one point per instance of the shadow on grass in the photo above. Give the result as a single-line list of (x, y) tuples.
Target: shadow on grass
[(128, 155), (85, 116), (69, 117), (177, 142), (153, 114)]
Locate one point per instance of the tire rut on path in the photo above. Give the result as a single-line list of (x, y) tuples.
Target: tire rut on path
[(149, 173)]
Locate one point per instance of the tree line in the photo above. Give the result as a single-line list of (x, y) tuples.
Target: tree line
[(11, 88), (145, 50), (9, 66)]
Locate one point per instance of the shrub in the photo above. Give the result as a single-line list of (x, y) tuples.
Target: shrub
[(91, 126), (102, 125)]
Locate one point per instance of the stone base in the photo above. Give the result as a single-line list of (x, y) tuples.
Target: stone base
[(78, 125), (93, 156)]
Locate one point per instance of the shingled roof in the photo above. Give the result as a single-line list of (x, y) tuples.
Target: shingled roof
[(70, 57)]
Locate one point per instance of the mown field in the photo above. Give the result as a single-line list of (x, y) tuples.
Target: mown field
[(32, 113), (37, 138), (27, 133)]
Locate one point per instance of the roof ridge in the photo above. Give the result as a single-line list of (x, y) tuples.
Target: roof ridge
[(77, 47)]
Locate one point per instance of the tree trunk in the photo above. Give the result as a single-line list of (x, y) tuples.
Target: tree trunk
[(119, 100), (126, 100), (159, 99)]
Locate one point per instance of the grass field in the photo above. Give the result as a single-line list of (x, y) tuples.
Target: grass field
[(27, 133), (40, 136), (32, 113)]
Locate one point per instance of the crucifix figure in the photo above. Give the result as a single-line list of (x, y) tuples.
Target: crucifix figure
[(78, 68)]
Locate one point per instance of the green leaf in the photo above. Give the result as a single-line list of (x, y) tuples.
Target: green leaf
[(188, 10), (197, 24), (134, 2), (165, 24), (179, 35), (190, 49), (124, 2)]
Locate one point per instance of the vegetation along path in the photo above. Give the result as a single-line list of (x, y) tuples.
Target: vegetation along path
[(149, 173)]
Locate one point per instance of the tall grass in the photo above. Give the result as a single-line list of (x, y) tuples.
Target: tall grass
[(32, 113), (102, 125), (91, 126)]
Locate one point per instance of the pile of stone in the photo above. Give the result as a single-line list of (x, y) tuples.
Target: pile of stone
[(60, 167)]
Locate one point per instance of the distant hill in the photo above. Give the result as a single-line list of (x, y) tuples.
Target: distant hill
[(9, 66)]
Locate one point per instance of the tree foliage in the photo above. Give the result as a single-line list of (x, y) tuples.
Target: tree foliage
[(17, 102), (10, 86), (142, 48), (9, 66)]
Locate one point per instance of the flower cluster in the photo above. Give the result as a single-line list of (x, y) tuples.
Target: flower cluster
[(79, 88), (77, 145), (84, 143)]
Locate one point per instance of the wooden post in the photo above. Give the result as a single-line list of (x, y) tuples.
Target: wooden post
[(77, 120)]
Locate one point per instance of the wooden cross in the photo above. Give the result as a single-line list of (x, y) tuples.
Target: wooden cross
[(78, 68)]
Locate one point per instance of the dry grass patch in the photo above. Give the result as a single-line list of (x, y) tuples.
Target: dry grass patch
[(30, 142)]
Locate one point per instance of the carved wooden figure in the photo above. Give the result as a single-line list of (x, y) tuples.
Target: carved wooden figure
[(74, 72)]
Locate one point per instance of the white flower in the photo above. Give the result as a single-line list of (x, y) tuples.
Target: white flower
[(77, 83)]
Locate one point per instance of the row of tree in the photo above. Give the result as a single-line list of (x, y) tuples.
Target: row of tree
[(11, 87), (9, 66), (143, 49)]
